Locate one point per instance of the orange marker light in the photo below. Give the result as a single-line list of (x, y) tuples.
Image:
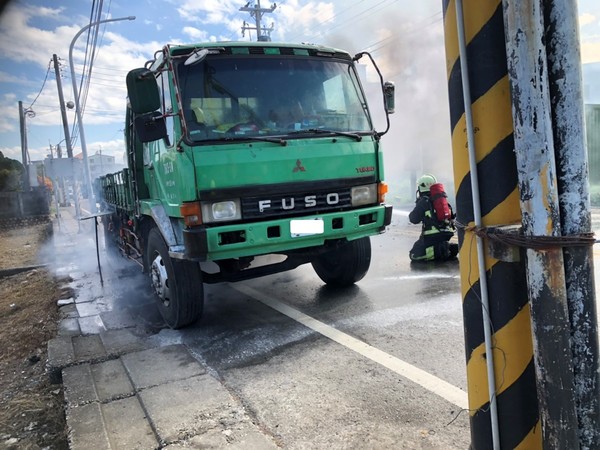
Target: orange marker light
[(192, 214), (382, 189)]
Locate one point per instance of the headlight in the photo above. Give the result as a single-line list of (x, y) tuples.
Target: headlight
[(364, 195), (224, 211)]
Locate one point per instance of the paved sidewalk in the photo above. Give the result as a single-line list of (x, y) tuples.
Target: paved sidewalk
[(126, 385)]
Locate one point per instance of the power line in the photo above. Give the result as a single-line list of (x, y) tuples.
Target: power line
[(88, 61), (42, 88)]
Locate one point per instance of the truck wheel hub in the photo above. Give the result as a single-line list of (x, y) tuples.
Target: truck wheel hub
[(160, 280)]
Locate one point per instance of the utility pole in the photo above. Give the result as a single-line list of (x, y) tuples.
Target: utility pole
[(63, 111), (262, 34), (22, 115)]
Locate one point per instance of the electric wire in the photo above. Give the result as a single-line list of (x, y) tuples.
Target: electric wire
[(42, 88), (88, 62)]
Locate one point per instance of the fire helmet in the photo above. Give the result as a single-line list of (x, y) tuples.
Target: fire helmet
[(424, 183)]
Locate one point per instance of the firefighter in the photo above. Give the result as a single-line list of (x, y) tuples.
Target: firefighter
[(433, 244)]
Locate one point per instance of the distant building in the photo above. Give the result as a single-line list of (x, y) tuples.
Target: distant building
[(591, 83), (592, 131), (101, 164), (591, 99)]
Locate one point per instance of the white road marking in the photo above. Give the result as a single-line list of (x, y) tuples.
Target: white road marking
[(424, 379), (437, 276)]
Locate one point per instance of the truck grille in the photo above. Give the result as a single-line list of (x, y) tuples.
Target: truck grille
[(280, 205)]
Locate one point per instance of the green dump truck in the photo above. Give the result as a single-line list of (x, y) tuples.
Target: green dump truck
[(242, 150)]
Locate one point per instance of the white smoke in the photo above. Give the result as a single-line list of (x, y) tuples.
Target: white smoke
[(412, 56)]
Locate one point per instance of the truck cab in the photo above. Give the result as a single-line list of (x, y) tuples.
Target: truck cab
[(240, 150)]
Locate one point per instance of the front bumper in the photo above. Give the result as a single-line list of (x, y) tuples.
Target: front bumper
[(274, 236)]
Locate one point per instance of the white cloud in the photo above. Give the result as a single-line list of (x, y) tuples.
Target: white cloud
[(8, 122), (8, 78), (586, 19), (21, 42), (12, 153), (590, 52), (194, 33)]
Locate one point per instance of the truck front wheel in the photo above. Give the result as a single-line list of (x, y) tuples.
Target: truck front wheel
[(346, 264), (177, 284)]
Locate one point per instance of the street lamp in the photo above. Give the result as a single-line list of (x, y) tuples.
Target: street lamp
[(86, 167)]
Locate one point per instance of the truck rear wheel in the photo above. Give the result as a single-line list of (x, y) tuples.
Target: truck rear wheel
[(177, 284), (345, 265)]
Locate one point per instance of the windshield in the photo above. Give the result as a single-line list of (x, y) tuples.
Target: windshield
[(247, 96)]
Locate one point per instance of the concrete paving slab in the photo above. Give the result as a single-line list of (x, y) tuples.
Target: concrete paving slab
[(68, 312), (120, 424), (187, 407), (114, 320), (79, 386), (241, 437), (92, 308), (88, 348), (111, 380), (120, 341), (126, 425), (161, 365), (60, 352), (69, 327), (86, 428), (60, 355), (91, 325)]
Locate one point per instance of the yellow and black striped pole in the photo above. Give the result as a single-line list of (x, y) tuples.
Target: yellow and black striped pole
[(516, 422)]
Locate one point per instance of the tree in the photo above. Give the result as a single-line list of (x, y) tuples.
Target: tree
[(11, 174)]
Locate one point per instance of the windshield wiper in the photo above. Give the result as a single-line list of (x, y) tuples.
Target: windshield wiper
[(355, 136), (274, 140)]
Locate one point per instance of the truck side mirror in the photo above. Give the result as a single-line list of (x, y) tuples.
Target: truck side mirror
[(389, 95), (150, 127), (142, 91)]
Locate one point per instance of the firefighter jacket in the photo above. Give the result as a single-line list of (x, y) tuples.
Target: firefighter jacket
[(423, 212)]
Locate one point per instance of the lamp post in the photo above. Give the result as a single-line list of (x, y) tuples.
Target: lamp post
[(86, 167)]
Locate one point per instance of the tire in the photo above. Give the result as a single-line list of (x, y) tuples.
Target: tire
[(177, 284), (345, 265)]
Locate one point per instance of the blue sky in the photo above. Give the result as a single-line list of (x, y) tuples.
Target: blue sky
[(406, 38)]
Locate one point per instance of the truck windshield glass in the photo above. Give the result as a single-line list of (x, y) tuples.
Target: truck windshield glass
[(243, 96)]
